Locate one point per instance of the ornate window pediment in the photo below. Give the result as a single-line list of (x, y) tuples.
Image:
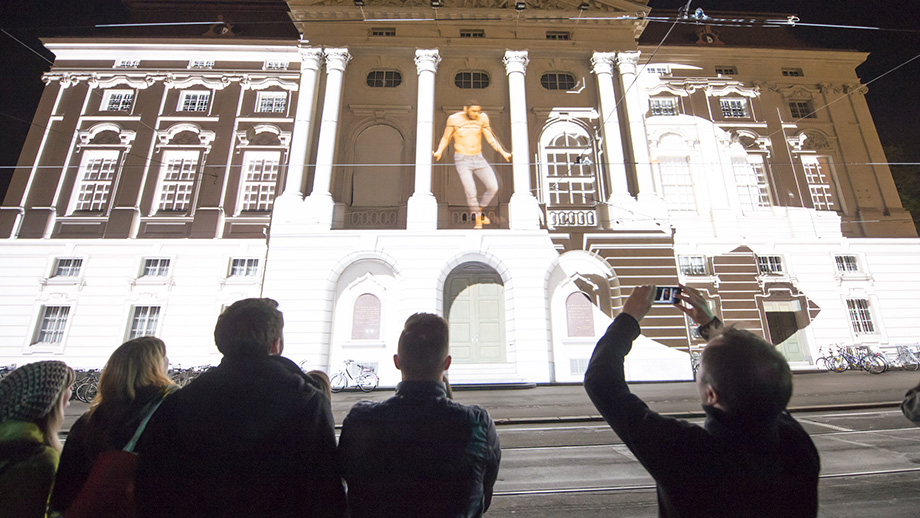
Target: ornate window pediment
[(106, 134)]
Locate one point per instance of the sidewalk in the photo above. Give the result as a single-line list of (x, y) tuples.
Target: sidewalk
[(555, 403)]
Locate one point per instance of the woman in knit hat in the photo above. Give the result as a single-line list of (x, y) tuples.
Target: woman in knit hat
[(132, 382), (32, 401)]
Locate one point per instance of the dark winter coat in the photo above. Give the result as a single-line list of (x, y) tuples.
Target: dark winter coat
[(27, 468), (726, 468), (419, 454), (250, 437)]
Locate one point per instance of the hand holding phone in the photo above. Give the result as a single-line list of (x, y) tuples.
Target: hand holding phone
[(666, 295)]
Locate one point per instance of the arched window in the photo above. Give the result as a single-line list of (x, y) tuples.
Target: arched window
[(568, 161), (471, 79), (557, 81), (384, 78), (579, 315), (365, 322)]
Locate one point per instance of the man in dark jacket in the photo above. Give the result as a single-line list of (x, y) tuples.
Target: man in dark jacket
[(253, 436), (419, 454), (750, 458)]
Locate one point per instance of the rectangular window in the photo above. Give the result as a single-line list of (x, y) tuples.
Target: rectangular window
[(94, 185), (663, 106), (860, 316), (52, 324), (383, 31), (734, 108), (271, 102), (127, 63), (67, 267), (472, 33), (201, 63), (818, 177), (144, 321), (677, 184), (751, 182), (846, 263), (661, 70), (275, 65), (177, 175), (727, 71), (770, 264), (558, 35), (692, 264), (194, 101), (156, 267), (244, 267), (793, 72), (260, 175), (802, 110), (117, 101)]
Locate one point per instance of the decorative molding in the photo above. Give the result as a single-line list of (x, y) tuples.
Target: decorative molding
[(143, 81), (603, 62), (248, 84), (427, 60), (125, 136), (790, 92), (627, 62), (516, 61), (336, 59), (165, 137), (246, 137)]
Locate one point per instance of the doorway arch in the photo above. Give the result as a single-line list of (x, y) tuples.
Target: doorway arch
[(474, 306)]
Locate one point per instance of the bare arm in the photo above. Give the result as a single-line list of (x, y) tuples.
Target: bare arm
[(496, 145), (445, 139)]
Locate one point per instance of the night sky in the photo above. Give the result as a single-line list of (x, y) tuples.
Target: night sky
[(893, 99)]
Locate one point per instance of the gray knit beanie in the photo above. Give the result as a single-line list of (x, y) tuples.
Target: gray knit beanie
[(31, 391)]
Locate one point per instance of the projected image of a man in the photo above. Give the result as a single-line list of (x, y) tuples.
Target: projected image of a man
[(467, 128)]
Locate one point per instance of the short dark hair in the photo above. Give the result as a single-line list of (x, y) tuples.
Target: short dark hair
[(472, 102), (749, 375), (248, 327), (423, 345)]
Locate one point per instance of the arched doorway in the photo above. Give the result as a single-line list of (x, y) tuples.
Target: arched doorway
[(474, 305)]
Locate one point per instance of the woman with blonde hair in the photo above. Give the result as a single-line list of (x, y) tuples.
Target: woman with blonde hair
[(32, 401), (132, 382)]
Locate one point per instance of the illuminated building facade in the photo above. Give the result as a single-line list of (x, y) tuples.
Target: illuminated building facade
[(166, 178)]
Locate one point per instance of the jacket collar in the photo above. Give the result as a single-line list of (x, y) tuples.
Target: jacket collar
[(422, 389), (750, 429)]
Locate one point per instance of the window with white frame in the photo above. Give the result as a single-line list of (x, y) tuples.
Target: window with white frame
[(127, 63), (734, 108), (770, 264), (260, 176), (677, 184), (244, 267), (177, 179), (471, 79), (846, 263), (663, 106), (751, 182), (692, 264), (860, 316), (802, 110), (144, 321), (117, 101), (558, 81), (155, 267), (194, 101), (52, 324), (661, 70), (726, 70), (271, 102), (384, 78), (569, 173), (94, 180), (67, 267), (276, 65), (818, 178), (201, 63)]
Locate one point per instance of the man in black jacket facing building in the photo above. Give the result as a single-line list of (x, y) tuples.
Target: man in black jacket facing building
[(419, 454), (253, 436), (750, 458)]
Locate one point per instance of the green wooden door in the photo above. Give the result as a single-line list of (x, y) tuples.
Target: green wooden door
[(476, 313), (783, 326)]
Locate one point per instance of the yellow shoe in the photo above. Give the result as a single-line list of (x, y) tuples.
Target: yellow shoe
[(480, 221)]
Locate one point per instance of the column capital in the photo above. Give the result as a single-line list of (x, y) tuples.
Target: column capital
[(516, 61), (336, 59), (627, 62), (310, 58), (426, 60), (602, 62)]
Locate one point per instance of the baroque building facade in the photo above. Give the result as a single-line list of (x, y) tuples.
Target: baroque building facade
[(166, 178)]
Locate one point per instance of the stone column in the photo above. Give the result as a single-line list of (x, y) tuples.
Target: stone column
[(319, 203), (423, 207), (626, 65), (523, 210), (602, 65), (310, 61)]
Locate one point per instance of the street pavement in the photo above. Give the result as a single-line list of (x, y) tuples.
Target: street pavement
[(561, 403)]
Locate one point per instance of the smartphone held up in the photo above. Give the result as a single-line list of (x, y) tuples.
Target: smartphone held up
[(666, 295)]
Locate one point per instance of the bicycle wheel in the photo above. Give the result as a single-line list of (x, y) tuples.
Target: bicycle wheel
[(822, 364), (367, 381), (911, 363), (874, 364), (838, 364), (338, 382)]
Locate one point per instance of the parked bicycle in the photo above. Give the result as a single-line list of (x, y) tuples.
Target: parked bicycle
[(183, 377), (85, 387), (873, 363), (366, 379), (905, 358), (6, 369)]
